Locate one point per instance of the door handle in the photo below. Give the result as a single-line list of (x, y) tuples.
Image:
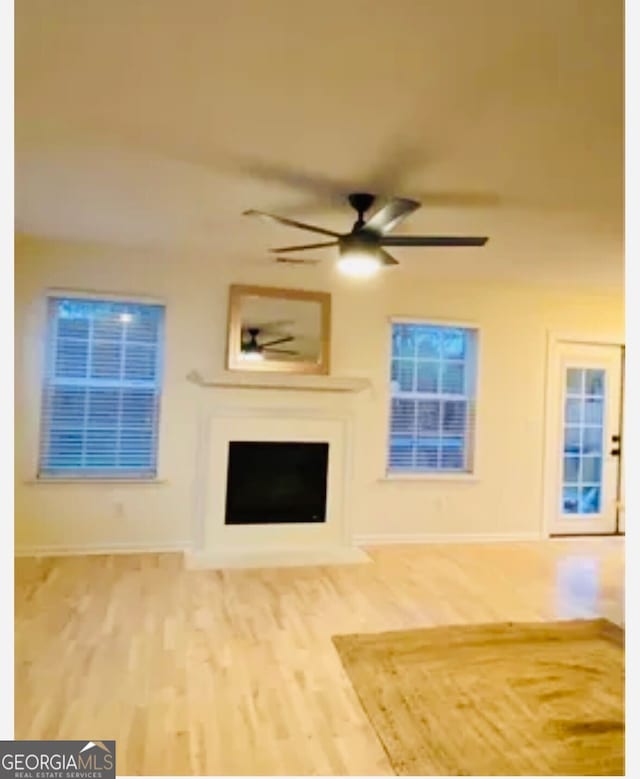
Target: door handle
[(615, 441)]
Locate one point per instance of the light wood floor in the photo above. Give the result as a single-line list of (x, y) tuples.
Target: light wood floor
[(234, 672)]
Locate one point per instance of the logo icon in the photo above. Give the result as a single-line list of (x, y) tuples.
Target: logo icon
[(57, 759), (92, 744)]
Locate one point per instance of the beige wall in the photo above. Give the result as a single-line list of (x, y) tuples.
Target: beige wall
[(506, 497)]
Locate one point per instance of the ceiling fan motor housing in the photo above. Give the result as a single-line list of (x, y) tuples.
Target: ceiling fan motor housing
[(359, 240), (251, 345)]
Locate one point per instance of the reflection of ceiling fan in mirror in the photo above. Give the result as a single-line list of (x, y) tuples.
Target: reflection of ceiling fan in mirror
[(362, 251), (253, 346)]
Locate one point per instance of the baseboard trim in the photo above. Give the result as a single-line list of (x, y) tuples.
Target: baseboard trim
[(276, 558), (54, 550), (381, 539), (234, 558)]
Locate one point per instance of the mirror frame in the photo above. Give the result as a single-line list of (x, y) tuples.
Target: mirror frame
[(234, 330)]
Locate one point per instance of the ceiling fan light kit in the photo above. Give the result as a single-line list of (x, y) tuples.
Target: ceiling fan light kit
[(361, 251), (252, 355), (358, 264)]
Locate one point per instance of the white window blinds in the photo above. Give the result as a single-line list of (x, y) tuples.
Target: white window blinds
[(433, 380), (101, 393)]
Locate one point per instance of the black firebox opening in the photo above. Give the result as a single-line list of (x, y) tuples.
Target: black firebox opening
[(274, 482)]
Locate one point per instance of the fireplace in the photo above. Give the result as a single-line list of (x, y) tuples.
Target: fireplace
[(276, 482), (271, 483)]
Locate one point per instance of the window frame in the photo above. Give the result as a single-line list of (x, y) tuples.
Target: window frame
[(455, 476), (95, 478)]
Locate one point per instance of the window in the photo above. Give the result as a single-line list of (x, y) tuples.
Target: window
[(101, 393), (433, 379)]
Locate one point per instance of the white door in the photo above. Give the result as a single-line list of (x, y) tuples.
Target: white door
[(584, 460)]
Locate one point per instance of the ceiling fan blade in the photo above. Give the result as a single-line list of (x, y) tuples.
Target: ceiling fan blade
[(291, 222), (386, 258), (460, 199), (296, 261), (281, 351), (275, 172), (391, 214), (304, 247), (284, 340), (433, 240)]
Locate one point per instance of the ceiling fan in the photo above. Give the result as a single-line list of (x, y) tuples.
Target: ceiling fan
[(362, 251), (252, 349)]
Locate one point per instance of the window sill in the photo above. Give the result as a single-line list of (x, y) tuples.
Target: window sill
[(96, 480), (453, 477)]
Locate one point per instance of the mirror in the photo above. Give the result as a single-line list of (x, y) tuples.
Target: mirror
[(273, 329)]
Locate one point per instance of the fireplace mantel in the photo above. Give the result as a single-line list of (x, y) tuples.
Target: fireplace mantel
[(280, 381)]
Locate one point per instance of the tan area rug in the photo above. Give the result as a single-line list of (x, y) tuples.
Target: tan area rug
[(494, 700)]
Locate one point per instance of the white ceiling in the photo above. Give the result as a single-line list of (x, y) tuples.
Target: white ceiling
[(157, 122)]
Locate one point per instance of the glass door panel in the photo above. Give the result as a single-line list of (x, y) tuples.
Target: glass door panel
[(583, 441), (586, 404)]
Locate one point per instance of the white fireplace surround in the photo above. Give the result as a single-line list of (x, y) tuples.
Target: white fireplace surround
[(217, 545)]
